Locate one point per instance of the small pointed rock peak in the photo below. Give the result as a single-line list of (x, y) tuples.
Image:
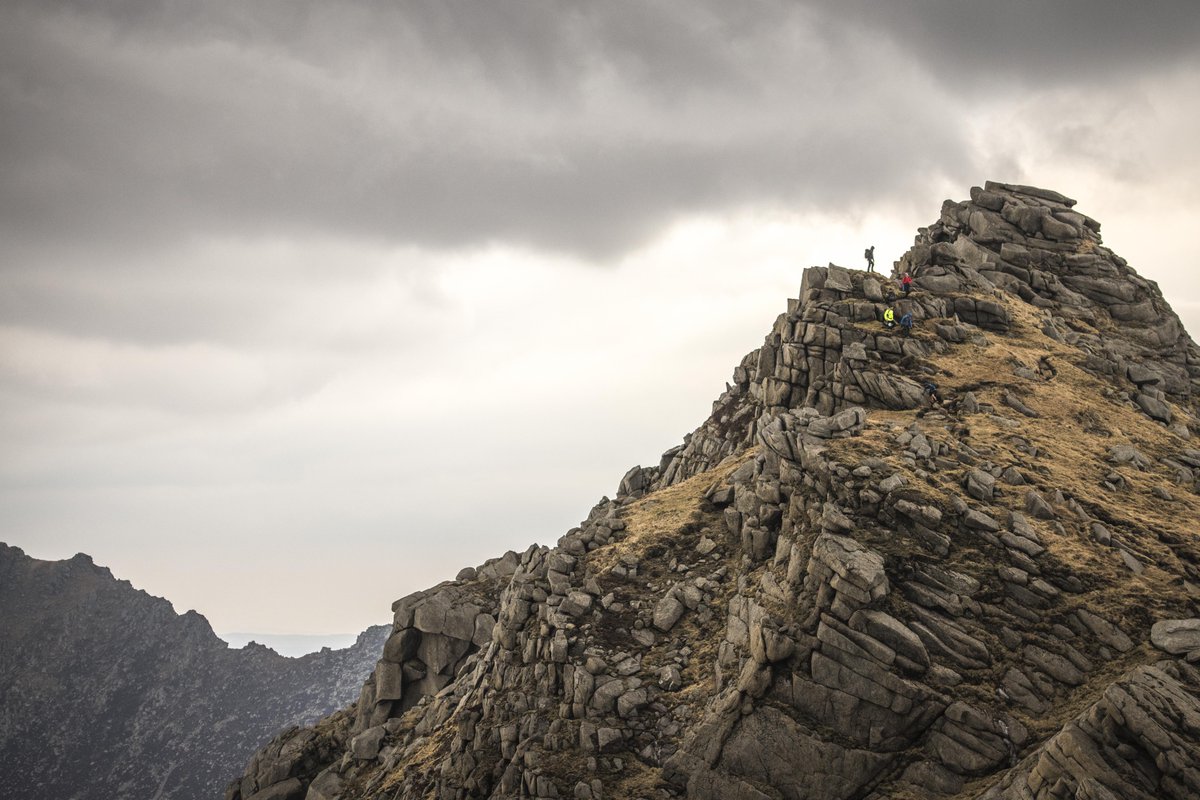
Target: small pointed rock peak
[(1047, 196), (1009, 249), (8, 551), (1031, 244), (929, 561)]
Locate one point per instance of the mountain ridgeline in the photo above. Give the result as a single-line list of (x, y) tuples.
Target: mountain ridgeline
[(108, 694), (835, 588)]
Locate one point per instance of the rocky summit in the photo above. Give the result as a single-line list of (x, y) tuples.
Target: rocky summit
[(838, 586), (107, 694)]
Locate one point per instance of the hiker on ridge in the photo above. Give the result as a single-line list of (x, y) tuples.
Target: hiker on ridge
[(906, 284), (869, 254), (889, 318), (931, 391), (906, 323)]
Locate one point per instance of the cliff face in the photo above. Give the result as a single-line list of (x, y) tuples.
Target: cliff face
[(107, 693), (835, 588)]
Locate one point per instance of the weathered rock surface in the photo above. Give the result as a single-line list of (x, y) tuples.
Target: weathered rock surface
[(1140, 740), (1180, 637), (832, 589)]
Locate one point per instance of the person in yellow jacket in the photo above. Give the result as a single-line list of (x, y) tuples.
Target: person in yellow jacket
[(889, 318)]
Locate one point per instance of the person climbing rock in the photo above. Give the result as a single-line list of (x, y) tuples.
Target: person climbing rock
[(906, 323), (906, 283), (931, 391), (869, 254), (889, 318)]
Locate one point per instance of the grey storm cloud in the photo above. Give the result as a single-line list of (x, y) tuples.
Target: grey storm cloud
[(132, 130), (313, 279), (575, 127), (1035, 43)]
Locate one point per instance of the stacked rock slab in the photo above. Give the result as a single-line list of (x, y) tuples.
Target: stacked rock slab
[(432, 634), (1137, 742), (850, 667), (1033, 243), (849, 608), (1021, 240), (828, 352)]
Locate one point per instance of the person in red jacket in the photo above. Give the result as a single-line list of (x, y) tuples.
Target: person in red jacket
[(906, 283)]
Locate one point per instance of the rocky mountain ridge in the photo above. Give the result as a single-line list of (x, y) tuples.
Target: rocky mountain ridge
[(834, 588), (108, 693)]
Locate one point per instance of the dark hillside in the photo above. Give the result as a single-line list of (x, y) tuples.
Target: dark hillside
[(108, 693)]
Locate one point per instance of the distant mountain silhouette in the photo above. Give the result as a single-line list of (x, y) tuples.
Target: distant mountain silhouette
[(107, 693), (293, 645)]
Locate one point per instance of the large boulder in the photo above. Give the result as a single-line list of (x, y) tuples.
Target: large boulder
[(1176, 636)]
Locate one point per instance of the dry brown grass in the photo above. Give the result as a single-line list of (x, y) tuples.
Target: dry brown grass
[(1077, 427), (424, 762), (658, 517), (1070, 434), (637, 780), (655, 527)]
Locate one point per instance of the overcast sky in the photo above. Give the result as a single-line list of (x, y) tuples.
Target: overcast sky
[(304, 306)]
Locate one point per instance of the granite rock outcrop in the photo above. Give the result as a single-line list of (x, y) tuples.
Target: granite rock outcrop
[(838, 586)]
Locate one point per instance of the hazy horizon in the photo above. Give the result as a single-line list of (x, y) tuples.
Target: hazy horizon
[(304, 308), (292, 645)]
